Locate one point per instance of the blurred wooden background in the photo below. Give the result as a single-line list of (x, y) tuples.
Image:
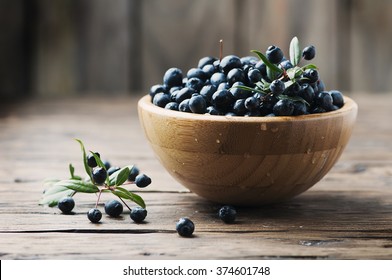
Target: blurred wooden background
[(54, 47)]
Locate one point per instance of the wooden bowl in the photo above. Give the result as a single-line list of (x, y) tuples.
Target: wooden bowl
[(247, 160)]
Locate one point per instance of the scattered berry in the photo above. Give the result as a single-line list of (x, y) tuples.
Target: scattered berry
[(113, 208), (309, 52), (185, 227), (94, 215), (66, 204), (133, 173), (227, 214), (138, 214), (142, 180)]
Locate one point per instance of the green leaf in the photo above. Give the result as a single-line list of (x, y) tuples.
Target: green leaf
[(72, 172), (293, 98), (124, 193), (78, 186), (250, 89), (86, 167), (122, 176), (294, 72), (113, 176), (309, 66), (53, 193), (270, 65), (100, 164), (295, 52)]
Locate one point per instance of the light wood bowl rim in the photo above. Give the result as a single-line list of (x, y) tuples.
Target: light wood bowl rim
[(146, 104)]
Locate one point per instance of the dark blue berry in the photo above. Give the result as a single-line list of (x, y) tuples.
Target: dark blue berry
[(113, 208), (284, 107), (196, 73), (254, 75), (227, 214), (310, 75), (251, 103), (172, 106), (285, 64), (208, 70), (112, 169), (299, 108), (222, 99), (277, 87), (198, 104), (195, 83), (138, 214), (218, 78), (235, 75), (249, 60), (99, 175), (185, 227), (230, 62), (239, 108), (239, 93), (161, 99), (206, 61), (262, 68), (155, 89), (213, 111), (184, 106), (309, 52), (324, 100), (207, 91), (184, 93), (274, 54), (172, 77), (337, 98), (142, 180), (133, 173), (307, 93), (91, 160), (293, 90), (94, 215), (66, 204)]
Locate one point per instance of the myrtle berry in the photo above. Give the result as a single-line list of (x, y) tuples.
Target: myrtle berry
[(299, 108), (311, 75), (99, 175), (113, 208), (94, 215), (133, 173), (227, 214), (208, 70), (207, 91), (206, 61), (161, 99), (239, 108), (155, 89), (222, 99), (106, 164), (285, 64), (172, 106), (309, 52), (235, 75), (196, 73), (213, 111), (324, 100), (198, 104), (91, 160), (337, 98), (138, 214), (251, 103), (307, 93), (185, 227), (277, 87), (218, 78), (274, 54), (113, 169), (183, 94), (66, 204), (184, 106), (142, 180), (195, 83), (284, 107), (230, 62), (254, 75), (172, 77)]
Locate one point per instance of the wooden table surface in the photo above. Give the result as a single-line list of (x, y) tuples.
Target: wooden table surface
[(347, 215)]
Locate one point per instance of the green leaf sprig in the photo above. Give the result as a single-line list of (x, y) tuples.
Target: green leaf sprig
[(290, 77), (56, 189)]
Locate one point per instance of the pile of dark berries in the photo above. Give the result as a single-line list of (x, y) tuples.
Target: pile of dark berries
[(267, 85)]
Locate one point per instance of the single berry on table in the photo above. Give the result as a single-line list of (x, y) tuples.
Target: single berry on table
[(94, 215), (133, 173), (112, 169), (113, 208), (91, 160), (66, 204), (99, 175), (138, 214), (227, 214), (185, 227), (142, 180)]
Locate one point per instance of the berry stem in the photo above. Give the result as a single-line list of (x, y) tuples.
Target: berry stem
[(125, 203), (220, 49), (99, 197)]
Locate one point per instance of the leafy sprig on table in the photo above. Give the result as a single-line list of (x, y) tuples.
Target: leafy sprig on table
[(56, 189)]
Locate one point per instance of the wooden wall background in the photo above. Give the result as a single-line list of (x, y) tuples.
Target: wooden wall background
[(54, 47)]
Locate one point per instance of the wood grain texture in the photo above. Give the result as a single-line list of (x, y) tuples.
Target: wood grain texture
[(347, 215)]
